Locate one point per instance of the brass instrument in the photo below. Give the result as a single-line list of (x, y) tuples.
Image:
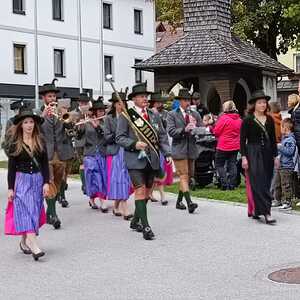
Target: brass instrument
[(87, 120), (67, 117)]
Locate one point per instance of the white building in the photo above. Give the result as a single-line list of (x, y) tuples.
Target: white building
[(76, 41)]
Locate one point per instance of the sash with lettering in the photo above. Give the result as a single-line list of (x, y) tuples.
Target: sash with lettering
[(143, 128)]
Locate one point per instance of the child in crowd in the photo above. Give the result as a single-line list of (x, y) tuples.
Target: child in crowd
[(208, 122), (287, 159)]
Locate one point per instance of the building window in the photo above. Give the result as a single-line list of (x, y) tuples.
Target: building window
[(18, 7), (19, 58), (57, 10), (297, 63), (138, 21), (107, 16), (138, 73), (108, 65), (59, 60)]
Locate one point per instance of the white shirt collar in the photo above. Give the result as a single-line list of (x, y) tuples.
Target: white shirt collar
[(182, 111)]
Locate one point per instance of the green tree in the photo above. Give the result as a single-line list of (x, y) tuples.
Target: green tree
[(170, 11), (272, 25)]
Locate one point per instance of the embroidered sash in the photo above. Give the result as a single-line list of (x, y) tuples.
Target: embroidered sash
[(143, 128)]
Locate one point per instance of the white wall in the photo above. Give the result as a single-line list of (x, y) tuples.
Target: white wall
[(121, 42), (46, 60), (7, 17), (7, 75), (124, 74), (123, 23)]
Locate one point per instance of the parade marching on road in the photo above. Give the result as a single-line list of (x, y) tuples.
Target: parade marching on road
[(213, 254)]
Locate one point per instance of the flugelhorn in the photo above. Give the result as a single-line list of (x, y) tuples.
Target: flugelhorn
[(89, 120)]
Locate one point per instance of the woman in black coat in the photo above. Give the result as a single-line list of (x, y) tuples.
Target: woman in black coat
[(259, 150)]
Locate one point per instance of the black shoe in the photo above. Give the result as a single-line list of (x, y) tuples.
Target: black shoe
[(180, 205), (224, 188), (56, 222), (104, 210), (117, 214), (148, 234), (136, 226), (25, 251), (128, 217), (231, 188), (93, 205), (153, 200), (36, 256), (164, 203), (192, 207), (254, 217), (64, 203), (270, 221)]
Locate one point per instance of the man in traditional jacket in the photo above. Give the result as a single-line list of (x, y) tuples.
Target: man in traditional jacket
[(141, 133)]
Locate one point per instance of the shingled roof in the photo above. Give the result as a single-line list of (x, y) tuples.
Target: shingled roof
[(208, 41)]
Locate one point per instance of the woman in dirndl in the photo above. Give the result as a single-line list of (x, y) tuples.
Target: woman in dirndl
[(94, 160), (259, 151), (119, 187), (157, 101), (28, 182)]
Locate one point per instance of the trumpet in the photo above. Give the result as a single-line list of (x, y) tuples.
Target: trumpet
[(87, 120), (54, 111)]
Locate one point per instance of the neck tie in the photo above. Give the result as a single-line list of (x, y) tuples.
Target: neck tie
[(145, 115), (187, 118)]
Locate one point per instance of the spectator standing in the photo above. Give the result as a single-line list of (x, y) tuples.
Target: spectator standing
[(227, 131), (276, 116), (284, 177)]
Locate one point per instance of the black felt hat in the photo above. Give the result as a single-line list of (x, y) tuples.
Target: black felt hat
[(183, 94), (84, 97), (158, 97), (114, 97), (27, 113), (260, 94), (49, 88), (98, 104), (139, 89)]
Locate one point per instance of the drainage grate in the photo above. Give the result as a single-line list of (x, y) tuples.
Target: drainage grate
[(289, 275)]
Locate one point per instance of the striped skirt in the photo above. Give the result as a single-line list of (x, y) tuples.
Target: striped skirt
[(26, 213), (95, 176), (119, 185)]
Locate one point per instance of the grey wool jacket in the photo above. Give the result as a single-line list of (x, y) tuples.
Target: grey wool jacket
[(183, 144), (110, 130), (127, 139), (94, 140)]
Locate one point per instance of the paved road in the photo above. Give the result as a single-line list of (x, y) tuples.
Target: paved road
[(217, 253)]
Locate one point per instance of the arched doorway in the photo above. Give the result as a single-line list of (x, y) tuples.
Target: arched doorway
[(241, 95), (214, 101)]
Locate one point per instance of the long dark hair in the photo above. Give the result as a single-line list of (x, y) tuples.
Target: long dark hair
[(15, 139)]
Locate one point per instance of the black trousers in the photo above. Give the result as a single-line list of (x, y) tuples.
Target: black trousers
[(226, 164)]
